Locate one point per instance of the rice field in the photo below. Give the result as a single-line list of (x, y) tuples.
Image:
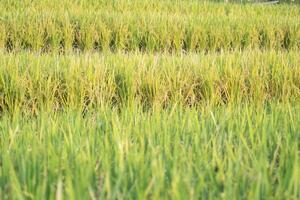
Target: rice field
[(151, 26), (149, 99)]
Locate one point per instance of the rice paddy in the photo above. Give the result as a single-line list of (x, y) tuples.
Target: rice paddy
[(149, 100)]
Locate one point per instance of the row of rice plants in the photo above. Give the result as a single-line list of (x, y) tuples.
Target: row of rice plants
[(131, 31), (30, 83)]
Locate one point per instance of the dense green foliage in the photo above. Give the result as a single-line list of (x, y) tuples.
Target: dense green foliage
[(231, 152), (150, 99)]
